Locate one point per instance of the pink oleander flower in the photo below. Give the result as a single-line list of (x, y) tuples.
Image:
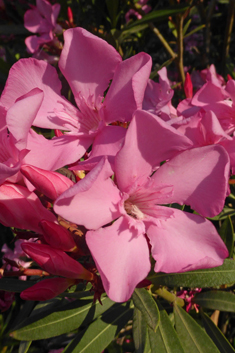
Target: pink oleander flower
[(179, 241), (188, 298), (6, 300), (88, 73), (132, 13), (41, 19)]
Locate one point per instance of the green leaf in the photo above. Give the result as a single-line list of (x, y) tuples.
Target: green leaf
[(216, 300), (112, 6), (211, 277), (165, 338), (146, 304), (15, 285), (194, 31), (215, 334), (24, 346), (64, 319), (139, 331), (192, 336), (226, 232), (159, 15), (97, 336), (186, 26)]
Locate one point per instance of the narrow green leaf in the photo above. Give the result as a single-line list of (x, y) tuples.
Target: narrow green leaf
[(215, 334), (97, 336), (194, 31), (199, 278), (192, 336), (159, 15), (24, 346), (165, 338), (62, 320), (186, 26), (15, 285), (139, 331), (226, 232), (112, 6), (216, 300), (146, 304)]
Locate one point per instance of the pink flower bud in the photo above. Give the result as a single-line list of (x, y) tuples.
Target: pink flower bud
[(51, 184), (70, 15), (21, 208), (56, 262), (57, 236), (188, 86), (47, 289)]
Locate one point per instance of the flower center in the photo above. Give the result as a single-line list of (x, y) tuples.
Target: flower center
[(133, 210)]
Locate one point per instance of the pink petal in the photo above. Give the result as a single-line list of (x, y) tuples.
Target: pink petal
[(47, 289), (21, 208), (64, 150), (107, 143), (87, 62), (34, 22), (209, 94), (126, 92), (51, 184), (24, 111), (32, 43), (195, 175), (56, 262), (93, 201), (27, 74), (149, 141), (121, 258), (186, 242)]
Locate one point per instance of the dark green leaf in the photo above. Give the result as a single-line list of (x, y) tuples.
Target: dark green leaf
[(159, 15), (96, 337), (62, 320), (146, 304), (194, 31), (139, 331), (199, 278), (216, 300), (226, 232), (216, 335), (15, 285), (112, 6), (24, 346), (165, 338), (192, 336)]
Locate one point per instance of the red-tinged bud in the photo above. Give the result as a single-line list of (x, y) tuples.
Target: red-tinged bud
[(51, 184), (21, 208), (56, 262), (58, 133), (70, 15), (188, 86), (57, 236), (229, 77), (47, 289)]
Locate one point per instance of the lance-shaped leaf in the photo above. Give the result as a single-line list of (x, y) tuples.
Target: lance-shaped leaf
[(165, 339), (62, 320), (226, 232), (215, 334), (139, 331), (102, 331), (145, 303), (192, 336), (216, 300), (211, 277)]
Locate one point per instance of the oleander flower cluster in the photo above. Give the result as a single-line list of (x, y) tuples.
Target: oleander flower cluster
[(109, 185)]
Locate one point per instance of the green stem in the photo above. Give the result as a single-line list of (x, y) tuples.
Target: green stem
[(170, 297), (228, 32), (180, 37)]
